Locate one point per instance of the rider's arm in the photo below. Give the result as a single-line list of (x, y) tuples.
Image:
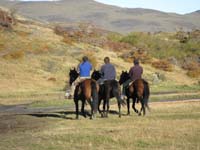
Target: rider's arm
[(130, 72), (78, 68), (102, 71)]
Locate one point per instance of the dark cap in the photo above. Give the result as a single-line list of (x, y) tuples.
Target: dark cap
[(106, 60), (136, 61), (85, 58)]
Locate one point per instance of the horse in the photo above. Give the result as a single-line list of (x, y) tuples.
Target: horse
[(107, 90), (137, 90), (85, 90)]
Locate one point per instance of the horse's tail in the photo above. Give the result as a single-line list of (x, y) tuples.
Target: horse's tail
[(94, 94), (146, 94), (117, 92)]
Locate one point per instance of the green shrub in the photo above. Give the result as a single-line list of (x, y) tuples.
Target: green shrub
[(131, 39)]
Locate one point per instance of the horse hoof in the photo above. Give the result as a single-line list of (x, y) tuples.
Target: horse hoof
[(128, 114), (92, 117), (139, 114)]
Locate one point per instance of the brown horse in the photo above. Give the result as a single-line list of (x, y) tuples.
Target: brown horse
[(107, 90), (86, 90), (137, 90)]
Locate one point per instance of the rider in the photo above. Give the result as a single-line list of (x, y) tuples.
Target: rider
[(135, 73), (84, 69), (107, 70)]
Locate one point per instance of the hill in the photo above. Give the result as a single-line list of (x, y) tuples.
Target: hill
[(112, 18), (36, 57)]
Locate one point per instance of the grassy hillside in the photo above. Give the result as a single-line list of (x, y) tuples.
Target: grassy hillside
[(35, 59)]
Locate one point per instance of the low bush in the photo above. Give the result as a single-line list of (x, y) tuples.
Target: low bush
[(7, 18), (194, 73), (140, 54), (162, 65), (116, 46), (14, 55), (193, 69)]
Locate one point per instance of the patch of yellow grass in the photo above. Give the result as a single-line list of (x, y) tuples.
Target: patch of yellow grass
[(45, 56), (167, 126)]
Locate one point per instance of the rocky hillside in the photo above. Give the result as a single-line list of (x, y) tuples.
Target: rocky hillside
[(108, 17)]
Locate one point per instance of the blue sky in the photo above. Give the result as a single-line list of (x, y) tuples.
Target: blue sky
[(178, 6)]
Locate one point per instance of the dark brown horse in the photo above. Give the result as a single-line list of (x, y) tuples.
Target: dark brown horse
[(107, 90), (86, 90), (138, 91)]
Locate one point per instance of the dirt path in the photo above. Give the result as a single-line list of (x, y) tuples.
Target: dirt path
[(25, 109)]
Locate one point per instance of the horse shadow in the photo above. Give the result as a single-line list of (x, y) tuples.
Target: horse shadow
[(66, 114), (61, 115)]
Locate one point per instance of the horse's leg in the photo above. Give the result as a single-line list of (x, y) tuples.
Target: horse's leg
[(104, 108), (119, 103), (142, 107), (119, 107), (92, 108), (76, 107), (100, 112), (146, 104), (128, 105), (106, 105), (133, 105), (82, 108)]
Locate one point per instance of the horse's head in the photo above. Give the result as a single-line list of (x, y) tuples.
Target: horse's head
[(96, 75), (73, 75), (123, 77)]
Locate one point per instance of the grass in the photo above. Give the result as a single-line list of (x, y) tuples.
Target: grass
[(169, 87), (52, 103), (27, 66), (162, 45), (170, 126), (41, 55), (174, 97)]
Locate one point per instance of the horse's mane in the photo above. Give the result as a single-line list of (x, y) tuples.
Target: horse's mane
[(73, 74), (96, 74)]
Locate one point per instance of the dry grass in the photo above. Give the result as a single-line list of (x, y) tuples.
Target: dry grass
[(193, 69), (14, 55), (163, 65), (194, 73), (35, 54), (170, 126)]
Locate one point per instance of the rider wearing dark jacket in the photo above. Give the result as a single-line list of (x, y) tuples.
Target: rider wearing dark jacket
[(108, 70), (135, 73)]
